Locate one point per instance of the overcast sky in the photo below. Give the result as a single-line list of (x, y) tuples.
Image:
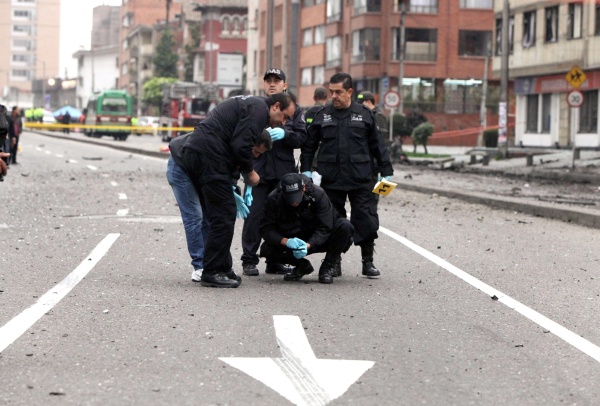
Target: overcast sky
[(76, 30)]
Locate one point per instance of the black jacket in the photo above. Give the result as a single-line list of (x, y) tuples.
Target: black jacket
[(228, 133), (273, 164), (347, 140), (312, 221)]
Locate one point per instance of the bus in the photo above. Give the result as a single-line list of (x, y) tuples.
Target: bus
[(111, 108)]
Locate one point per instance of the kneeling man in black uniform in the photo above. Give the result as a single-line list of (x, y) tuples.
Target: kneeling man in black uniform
[(299, 220)]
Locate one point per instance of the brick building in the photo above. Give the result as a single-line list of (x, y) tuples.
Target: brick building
[(446, 45)]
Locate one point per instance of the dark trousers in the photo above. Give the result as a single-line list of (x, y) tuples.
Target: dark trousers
[(14, 149), (338, 243), (251, 231), (364, 215), (214, 185)]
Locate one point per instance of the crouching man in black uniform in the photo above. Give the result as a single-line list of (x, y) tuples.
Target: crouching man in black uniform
[(299, 220)]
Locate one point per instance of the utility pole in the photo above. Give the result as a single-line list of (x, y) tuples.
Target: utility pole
[(503, 105), (482, 108), (270, 15), (168, 11), (44, 84), (293, 78), (401, 56)]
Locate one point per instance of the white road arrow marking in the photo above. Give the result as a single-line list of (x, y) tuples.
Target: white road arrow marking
[(299, 376)]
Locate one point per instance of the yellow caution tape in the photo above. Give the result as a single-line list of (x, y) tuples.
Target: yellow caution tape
[(384, 187), (56, 126)]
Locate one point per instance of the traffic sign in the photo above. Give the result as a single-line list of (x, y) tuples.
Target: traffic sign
[(391, 99), (576, 77), (575, 98)]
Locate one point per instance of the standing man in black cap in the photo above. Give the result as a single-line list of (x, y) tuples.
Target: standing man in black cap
[(346, 136), (271, 166), (300, 220)]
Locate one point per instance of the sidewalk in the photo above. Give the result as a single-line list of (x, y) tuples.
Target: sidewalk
[(550, 188)]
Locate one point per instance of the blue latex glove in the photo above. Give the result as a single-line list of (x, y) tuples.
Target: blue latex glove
[(307, 173), (388, 178), (301, 253), (248, 196), (277, 133), (242, 209), (295, 243)]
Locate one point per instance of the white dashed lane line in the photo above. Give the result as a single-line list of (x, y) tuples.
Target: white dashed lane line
[(113, 183), (12, 330), (92, 167), (122, 212), (122, 196)]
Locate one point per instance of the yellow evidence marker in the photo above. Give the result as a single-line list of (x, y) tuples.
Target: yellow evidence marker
[(384, 187)]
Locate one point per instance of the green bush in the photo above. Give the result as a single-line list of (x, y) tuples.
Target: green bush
[(420, 135)]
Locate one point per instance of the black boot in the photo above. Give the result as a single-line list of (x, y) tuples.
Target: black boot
[(326, 271), (304, 267), (277, 268), (337, 269), (368, 268)]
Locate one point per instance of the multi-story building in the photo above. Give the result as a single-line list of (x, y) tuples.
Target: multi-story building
[(547, 40), (29, 32), (134, 14), (446, 44), (105, 26)]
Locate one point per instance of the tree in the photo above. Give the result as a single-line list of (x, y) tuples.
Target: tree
[(190, 51), (153, 91), (165, 59)]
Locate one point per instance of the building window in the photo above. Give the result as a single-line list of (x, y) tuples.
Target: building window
[(124, 69), (528, 29), (575, 13), (21, 74), (21, 59), (333, 52), (474, 43), (597, 26), (366, 45), (245, 26), (307, 37), (306, 76), (125, 44), (23, 44), (423, 6), (22, 14), (278, 18), (319, 34), (511, 33), (420, 45), (538, 113), (236, 26), (367, 6), (225, 26), (588, 112), (552, 24), (22, 29), (319, 75), (462, 96), (481, 4), (334, 10)]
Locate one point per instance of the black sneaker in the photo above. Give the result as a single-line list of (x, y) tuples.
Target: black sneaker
[(250, 269), (369, 270), (304, 267), (277, 268), (218, 280), (232, 275)]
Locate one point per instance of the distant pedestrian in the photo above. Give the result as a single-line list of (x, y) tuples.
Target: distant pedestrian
[(17, 130), (66, 119)]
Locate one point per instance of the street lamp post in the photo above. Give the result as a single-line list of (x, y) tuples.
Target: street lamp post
[(503, 104)]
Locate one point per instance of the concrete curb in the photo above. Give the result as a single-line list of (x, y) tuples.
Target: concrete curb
[(533, 174), (541, 209)]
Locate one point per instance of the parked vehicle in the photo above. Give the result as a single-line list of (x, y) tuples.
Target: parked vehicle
[(111, 108), (184, 104), (149, 123)]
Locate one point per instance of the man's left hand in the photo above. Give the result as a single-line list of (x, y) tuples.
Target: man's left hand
[(277, 133), (388, 178)]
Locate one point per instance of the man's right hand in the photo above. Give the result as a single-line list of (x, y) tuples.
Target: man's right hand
[(253, 178), (295, 243)]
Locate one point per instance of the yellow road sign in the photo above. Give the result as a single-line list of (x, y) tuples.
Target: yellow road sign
[(576, 77)]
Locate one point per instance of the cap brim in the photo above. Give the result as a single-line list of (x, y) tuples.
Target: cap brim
[(292, 198)]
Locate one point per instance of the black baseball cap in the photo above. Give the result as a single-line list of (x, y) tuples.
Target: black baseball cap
[(366, 96), (275, 71), (292, 187)]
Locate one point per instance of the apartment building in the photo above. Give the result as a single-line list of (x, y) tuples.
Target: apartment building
[(554, 48), (30, 33), (105, 26), (445, 48)]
